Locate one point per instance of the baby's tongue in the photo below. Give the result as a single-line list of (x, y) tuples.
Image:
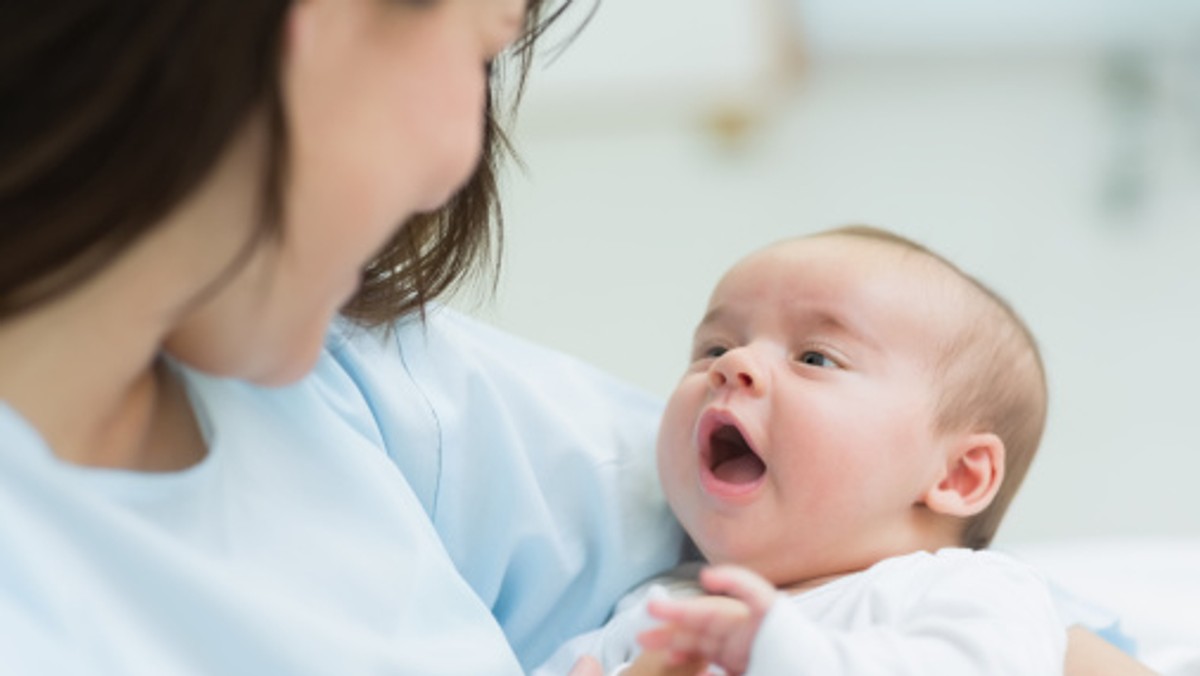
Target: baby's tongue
[(741, 469)]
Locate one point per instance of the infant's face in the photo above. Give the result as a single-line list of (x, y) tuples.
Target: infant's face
[(802, 434)]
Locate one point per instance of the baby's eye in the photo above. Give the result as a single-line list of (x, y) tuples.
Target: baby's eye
[(818, 359), (713, 351)]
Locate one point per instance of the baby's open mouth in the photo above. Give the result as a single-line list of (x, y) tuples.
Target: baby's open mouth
[(731, 459)]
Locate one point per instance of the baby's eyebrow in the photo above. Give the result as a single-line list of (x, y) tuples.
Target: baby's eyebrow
[(830, 321), (712, 316), (807, 318), (839, 323), (716, 316)]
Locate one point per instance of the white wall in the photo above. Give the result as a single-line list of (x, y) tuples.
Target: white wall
[(629, 210)]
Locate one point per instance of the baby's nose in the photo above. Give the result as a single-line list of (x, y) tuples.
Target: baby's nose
[(735, 368)]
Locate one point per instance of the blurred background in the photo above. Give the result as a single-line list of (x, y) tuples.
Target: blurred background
[(1051, 148)]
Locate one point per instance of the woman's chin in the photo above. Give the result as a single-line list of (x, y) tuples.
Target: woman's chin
[(283, 369), (285, 375), (266, 366)]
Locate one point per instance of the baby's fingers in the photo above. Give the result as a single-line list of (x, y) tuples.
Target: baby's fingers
[(659, 663), (740, 583), (587, 666), (699, 626), (660, 641), (699, 611), (657, 638), (720, 629), (677, 643)]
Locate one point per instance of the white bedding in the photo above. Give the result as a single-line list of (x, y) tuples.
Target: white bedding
[(1152, 584)]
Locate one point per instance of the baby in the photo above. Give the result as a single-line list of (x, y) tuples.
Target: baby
[(856, 418)]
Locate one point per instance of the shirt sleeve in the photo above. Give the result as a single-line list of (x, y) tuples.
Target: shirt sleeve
[(26, 648), (537, 470), (985, 618)]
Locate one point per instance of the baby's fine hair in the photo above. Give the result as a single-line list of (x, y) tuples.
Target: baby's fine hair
[(991, 379)]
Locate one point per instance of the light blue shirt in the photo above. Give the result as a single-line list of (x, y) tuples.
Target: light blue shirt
[(418, 504)]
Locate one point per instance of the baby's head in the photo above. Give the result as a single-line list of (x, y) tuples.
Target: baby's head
[(851, 396)]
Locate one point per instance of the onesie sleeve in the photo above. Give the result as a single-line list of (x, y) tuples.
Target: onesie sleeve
[(988, 616), (537, 470)]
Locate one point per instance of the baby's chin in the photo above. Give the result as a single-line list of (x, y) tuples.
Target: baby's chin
[(785, 573)]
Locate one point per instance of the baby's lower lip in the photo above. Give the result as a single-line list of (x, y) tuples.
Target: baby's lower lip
[(738, 493)]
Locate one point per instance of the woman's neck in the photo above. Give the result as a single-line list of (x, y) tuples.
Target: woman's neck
[(85, 368), (152, 430), (89, 378)]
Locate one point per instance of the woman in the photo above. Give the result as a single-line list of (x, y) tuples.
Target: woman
[(200, 470), (190, 191)]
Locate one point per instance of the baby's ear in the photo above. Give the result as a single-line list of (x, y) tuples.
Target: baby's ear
[(972, 475)]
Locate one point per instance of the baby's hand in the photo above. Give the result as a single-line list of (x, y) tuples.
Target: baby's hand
[(657, 663), (719, 628), (586, 666)]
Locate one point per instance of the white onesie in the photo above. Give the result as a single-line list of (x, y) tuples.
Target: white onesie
[(957, 611)]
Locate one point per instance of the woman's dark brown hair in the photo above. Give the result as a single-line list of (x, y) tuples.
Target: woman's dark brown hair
[(114, 111)]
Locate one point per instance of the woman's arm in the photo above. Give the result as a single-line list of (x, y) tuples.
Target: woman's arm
[(536, 468), (1090, 655)]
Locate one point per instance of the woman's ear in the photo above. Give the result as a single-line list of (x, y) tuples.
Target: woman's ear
[(971, 478)]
